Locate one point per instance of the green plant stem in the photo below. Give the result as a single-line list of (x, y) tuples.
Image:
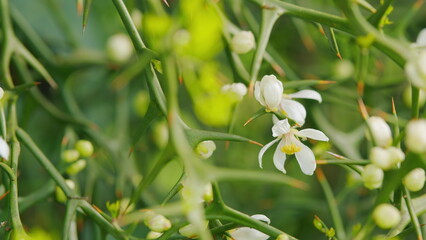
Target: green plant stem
[(332, 204), (6, 43), (412, 212), (8, 171), (415, 94), (343, 162), (72, 205)]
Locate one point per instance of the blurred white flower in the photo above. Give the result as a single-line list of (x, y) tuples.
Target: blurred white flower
[(415, 70), (269, 92), (205, 149), (243, 42), (239, 89), (1, 93), (246, 233), (415, 180), (190, 231), (153, 235), (290, 144), (386, 158), (421, 40), (159, 223), (119, 47), (295, 110), (4, 149), (380, 130), (386, 216), (415, 138), (372, 176)]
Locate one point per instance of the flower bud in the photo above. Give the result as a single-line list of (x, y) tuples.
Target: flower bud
[(381, 158), (1, 93), (60, 195), (283, 236), (243, 42), (372, 176), (141, 103), (238, 89), (153, 235), (380, 130), (415, 70), (208, 193), (343, 69), (415, 138), (396, 155), (190, 230), (119, 48), (269, 92), (76, 167), (406, 97), (84, 147), (70, 155), (159, 223), (4, 149), (386, 216), (205, 149), (161, 134), (415, 180)]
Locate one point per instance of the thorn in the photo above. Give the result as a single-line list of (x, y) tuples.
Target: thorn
[(251, 89), (321, 162), (97, 209), (248, 121), (362, 109), (256, 143), (277, 68), (84, 28), (130, 152), (326, 82), (309, 44), (321, 30), (37, 83), (165, 2), (79, 7), (227, 145), (180, 78), (299, 184), (339, 56), (64, 140), (4, 195), (320, 174), (360, 88), (267, 7), (393, 107), (337, 155)]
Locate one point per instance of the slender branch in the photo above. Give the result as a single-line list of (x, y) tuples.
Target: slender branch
[(412, 212)]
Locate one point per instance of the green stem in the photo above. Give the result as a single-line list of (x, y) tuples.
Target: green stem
[(7, 44), (412, 212), (8, 171), (415, 93), (343, 162)]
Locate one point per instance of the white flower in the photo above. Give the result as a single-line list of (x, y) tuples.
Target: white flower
[(386, 158), (191, 231), (290, 144), (380, 130), (415, 180), (421, 39), (4, 149), (386, 216), (1, 93), (269, 92), (415, 70), (294, 110), (372, 176), (159, 223), (239, 89), (246, 233), (243, 42), (153, 235), (119, 48), (415, 138), (205, 149)]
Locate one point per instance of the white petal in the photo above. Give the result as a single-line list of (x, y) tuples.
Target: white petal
[(294, 110), (308, 94), (312, 134), (306, 159), (275, 119), (280, 128), (279, 158), (257, 94), (4, 149), (245, 233), (262, 218), (272, 96), (263, 150), (421, 38)]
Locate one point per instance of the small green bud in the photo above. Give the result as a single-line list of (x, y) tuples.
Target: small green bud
[(159, 223), (415, 180), (153, 235), (160, 134), (372, 176), (283, 236), (141, 103), (85, 148), (60, 195), (70, 155), (76, 167), (330, 233), (386, 216), (319, 225)]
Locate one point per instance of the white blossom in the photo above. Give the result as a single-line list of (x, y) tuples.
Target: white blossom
[(243, 42), (269, 92), (415, 138), (246, 233), (380, 130)]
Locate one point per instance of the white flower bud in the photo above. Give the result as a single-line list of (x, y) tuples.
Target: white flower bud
[(406, 97), (386, 216), (4, 149), (269, 92), (243, 42), (372, 176), (343, 69), (415, 180), (283, 236), (119, 48), (190, 230), (70, 155), (380, 130), (381, 158), (205, 149), (415, 138), (1, 93), (396, 155), (60, 195), (239, 89), (415, 70), (208, 193), (159, 223), (153, 235)]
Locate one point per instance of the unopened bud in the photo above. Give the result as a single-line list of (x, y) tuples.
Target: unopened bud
[(381, 158), (153, 235), (84, 147), (119, 48), (396, 154), (283, 236), (190, 230), (269, 92), (238, 89), (380, 130), (205, 149), (415, 180), (208, 193), (415, 138), (159, 223), (386, 216), (76, 167), (243, 42), (372, 176), (4, 149), (60, 195), (70, 155), (415, 70)]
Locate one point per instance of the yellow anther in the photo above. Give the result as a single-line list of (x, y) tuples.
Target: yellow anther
[(290, 149)]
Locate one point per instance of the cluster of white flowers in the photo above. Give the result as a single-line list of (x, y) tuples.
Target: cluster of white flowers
[(269, 93)]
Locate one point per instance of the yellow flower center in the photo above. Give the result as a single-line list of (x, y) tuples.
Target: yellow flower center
[(290, 149)]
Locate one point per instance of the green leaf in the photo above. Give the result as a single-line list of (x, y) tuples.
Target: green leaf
[(329, 33), (196, 136)]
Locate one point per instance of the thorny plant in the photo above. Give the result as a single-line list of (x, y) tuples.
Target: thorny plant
[(213, 54)]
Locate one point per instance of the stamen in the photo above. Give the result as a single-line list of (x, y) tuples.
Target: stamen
[(290, 149)]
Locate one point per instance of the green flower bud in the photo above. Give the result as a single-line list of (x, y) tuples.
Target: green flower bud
[(205, 149), (70, 155), (76, 167), (283, 236), (85, 148), (161, 134), (153, 235), (372, 176), (60, 195), (406, 97), (396, 154), (386, 216), (159, 223), (415, 180), (415, 138), (141, 103)]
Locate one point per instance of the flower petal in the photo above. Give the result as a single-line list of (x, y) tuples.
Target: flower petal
[(263, 150), (312, 134), (4, 149), (280, 128), (294, 110), (421, 38), (307, 94), (275, 119), (262, 218), (306, 159), (279, 158), (245, 233), (257, 94)]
